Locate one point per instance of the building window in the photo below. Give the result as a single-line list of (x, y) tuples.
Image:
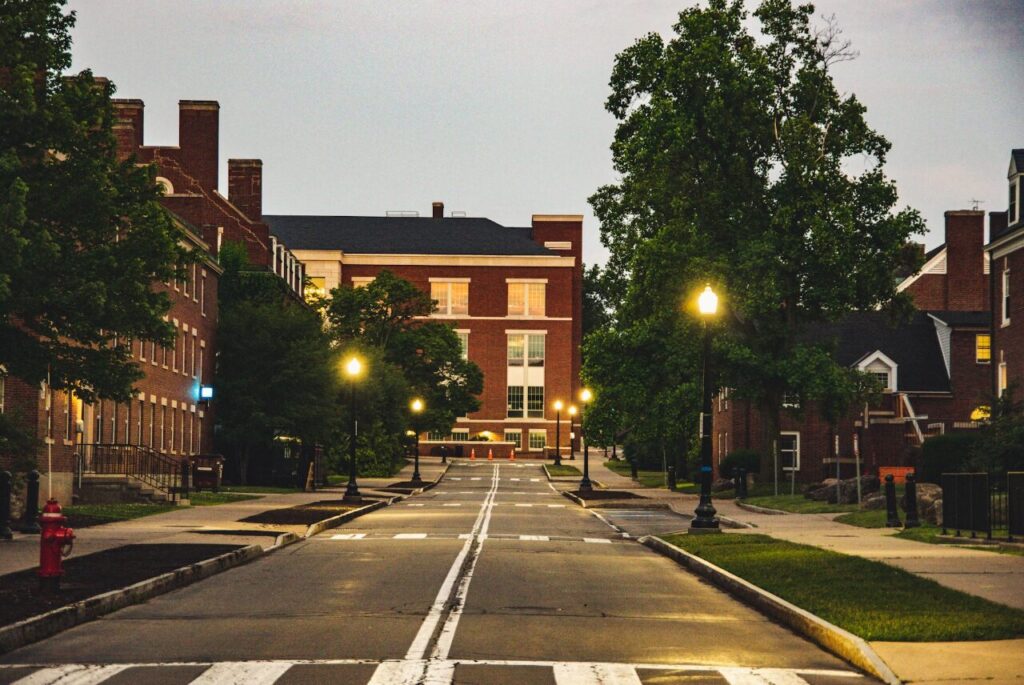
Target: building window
[(452, 297), (464, 343), (436, 436), (174, 349), (460, 434), (536, 350), (1012, 211), (983, 348), (152, 425), (526, 299), (163, 427), (202, 293), (791, 400), (515, 350), (535, 402), (193, 356), (152, 353), (789, 451), (1003, 381), (142, 414), (202, 355), (199, 435), (1006, 297), (3, 390), (515, 437), (316, 287), (723, 399), (515, 402), (537, 439), (185, 282)]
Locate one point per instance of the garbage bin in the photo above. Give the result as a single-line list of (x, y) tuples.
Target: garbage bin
[(207, 471)]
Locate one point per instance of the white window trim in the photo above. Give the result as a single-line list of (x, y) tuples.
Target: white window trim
[(558, 244), (878, 355), (536, 431), (447, 279), (797, 460), (526, 280), (526, 297), (1004, 300)]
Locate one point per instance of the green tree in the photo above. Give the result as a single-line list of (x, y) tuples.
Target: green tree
[(596, 300), (741, 165), (276, 372), (999, 446), (82, 234)]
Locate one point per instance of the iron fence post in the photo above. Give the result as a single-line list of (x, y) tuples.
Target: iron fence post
[(5, 506), (892, 516), (30, 522)]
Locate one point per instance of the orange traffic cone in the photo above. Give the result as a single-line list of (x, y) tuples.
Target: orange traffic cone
[(472, 454), (512, 455), (490, 454)]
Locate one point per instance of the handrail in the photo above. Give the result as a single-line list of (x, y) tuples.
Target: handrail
[(142, 463)]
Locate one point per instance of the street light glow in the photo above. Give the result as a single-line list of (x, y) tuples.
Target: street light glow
[(586, 395), (416, 405), (707, 302), (353, 367), (558, 405), (572, 410)]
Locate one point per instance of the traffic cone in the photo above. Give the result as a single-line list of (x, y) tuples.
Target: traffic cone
[(472, 454), (512, 455), (490, 454)]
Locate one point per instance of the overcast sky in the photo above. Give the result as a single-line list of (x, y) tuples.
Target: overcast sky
[(497, 108)]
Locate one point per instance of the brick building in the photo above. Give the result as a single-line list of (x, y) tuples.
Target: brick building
[(1006, 250), (514, 296), (935, 371)]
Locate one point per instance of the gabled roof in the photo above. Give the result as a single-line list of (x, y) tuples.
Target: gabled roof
[(403, 235), (913, 346), (963, 319), (1016, 162)]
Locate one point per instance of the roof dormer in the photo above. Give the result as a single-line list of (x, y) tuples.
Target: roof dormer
[(882, 367), (1016, 186)]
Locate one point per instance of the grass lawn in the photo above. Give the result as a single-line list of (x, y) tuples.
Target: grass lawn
[(207, 498), (84, 515), (926, 533), (650, 479), (337, 479), (868, 598), (259, 489), (563, 470)]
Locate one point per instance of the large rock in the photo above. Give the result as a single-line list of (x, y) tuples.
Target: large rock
[(875, 501), (812, 487), (927, 495), (722, 484)]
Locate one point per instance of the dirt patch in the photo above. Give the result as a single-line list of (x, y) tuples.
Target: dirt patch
[(306, 514), (595, 495), (94, 574)]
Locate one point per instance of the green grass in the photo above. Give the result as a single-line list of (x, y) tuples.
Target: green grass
[(337, 479), (650, 479), (798, 504), (563, 470), (259, 489), (868, 598), (925, 533), (109, 513), (207, 498)]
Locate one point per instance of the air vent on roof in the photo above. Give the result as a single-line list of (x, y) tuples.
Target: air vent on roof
[(401, 212), (458, 214)]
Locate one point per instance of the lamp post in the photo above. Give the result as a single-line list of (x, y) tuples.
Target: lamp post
[(353, 370), (706, 521), (558, 432), (585, 484), (416, 406), (572, 420)]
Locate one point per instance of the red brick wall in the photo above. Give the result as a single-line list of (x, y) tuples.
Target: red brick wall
[(964, 286), (1008, 341)]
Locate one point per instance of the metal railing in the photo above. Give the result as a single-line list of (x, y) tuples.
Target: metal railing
[(972, 503), (155, 469)]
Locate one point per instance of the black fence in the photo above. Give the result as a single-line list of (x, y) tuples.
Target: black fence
[(973, 503)]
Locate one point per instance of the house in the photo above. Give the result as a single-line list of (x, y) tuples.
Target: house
[(1006, 251), (513, 295), (935, 371)]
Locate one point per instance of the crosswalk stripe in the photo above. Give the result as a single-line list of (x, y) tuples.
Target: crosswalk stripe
[(760, 676), (410, 536), (537, 538), (414, 505), (398, 673), (348, 536), (595, 674), (72, 674), (475, 478), (513, 479), (600, 541), (243, 673)]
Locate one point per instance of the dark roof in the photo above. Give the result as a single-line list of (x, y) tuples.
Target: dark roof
[(1018, 158), (914, 347), (403, 235), (963, 319), (934, 251)]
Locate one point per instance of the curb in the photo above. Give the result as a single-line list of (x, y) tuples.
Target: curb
[(760, 510), (847, 646), (560, 479), (40, 627), (335, 521), (617, 503)]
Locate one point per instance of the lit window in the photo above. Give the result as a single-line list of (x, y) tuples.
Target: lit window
[(452, 297), (526, 299), (791, 400), (515, 350), (316, 287), (983, 348), (1003, 380), (537, 439), (535, 402), (536, 350), (883, 378), (464, 343), (789, 451), (515, 402), (436, 436), (460, 434), (1006, 297), (2, 391), (515, 437)]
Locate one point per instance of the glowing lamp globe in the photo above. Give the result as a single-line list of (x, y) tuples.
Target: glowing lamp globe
[(707, 302)]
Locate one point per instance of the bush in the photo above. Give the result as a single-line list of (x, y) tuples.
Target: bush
[(747, 459), (947, 453)]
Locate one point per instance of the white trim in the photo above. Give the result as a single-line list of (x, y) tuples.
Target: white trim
[(536, 431), (878, 355), (797, 460), (525, 280), (495, 318), (456, 260), (449, 279), (526, 331), (558, 244)]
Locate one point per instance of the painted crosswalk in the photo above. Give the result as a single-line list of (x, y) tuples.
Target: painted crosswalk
[(406, 672), (465, 536)]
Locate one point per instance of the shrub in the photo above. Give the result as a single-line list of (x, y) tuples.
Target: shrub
[(945, 454), (747, 459)]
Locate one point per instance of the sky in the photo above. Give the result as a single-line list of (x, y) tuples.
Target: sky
[(496, 108)]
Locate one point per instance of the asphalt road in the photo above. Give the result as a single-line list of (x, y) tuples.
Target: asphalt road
[(490, 578)]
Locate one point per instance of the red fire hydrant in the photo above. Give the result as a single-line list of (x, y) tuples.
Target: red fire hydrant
[(55, 543)]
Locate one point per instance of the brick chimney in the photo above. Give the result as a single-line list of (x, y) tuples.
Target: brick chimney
[(438, 210), (198, 122), (245, 186), (129, 114), (967, 287)]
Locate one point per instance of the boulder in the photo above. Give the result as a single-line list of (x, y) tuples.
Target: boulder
[(927, 494), (808, 488), (848, 489), (875, 501), (821, 494), (934, 513), (722, 484)]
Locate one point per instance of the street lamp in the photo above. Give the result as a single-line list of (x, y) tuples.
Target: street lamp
[(572, 420), (706, 521), (558, 432), (585, 484), (417, 406), (354, 368)]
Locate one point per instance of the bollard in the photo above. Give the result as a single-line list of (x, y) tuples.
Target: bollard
[(444, 454), (740, 482), (892, 516), (30, 522), (910, 502), (5, 506), (632, 470), (671, 478)]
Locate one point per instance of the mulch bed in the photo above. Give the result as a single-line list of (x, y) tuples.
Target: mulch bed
[(94, 574), (306, 514), (606, 494)]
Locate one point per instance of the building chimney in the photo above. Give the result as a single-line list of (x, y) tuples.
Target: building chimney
[(245, 186), (438, 209), (967, 286), (198, 122), (129, 116)]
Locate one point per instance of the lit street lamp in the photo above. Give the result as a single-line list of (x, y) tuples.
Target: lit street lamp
[(417, 407), (706, 521), (572, 419), (585, 484), (558, 432), (353, 370)]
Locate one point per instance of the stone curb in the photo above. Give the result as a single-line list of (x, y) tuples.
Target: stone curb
[(40, 627), (760, 510), (845, 645), (335, 521)]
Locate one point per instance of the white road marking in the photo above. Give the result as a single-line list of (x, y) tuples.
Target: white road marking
[(72, 674), (410, 536), (535, 480), (598, 541), (761, 676), (243, 673), (452, 504), (556, 506), (524, 505), (414, 505), (595, 674), (349, 536), (475, 478), (452, 478), (537, 538), (513, 479)]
